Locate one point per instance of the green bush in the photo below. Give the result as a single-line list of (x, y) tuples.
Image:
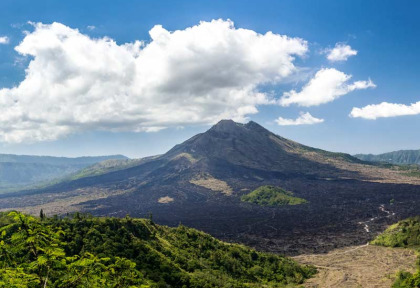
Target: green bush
[(272, 196), (405, 233)]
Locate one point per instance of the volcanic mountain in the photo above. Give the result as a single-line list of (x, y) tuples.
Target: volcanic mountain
[(200, 183)]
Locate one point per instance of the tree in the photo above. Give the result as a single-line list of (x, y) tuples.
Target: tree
[(32, 255), (41, 215)]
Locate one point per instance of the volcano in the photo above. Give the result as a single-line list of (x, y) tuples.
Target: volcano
[(200, 183)]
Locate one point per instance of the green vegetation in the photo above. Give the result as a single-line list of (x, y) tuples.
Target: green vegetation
[(413, 173), (405, 234), (411, 170), (85, 251), (407, 280), (272, 196)]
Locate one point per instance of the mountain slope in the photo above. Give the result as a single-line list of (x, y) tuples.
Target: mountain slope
[(200, 183), (18, 171), (396, 157), (252, 146), (108, 166)]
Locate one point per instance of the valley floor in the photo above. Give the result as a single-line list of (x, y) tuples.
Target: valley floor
[(365, 266)]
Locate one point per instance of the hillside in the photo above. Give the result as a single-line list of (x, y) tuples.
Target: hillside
[(20, 171), (200, 183), (381, 263), (84, 251), (396, 157), (107, 166), (405, 233), (366, 266)]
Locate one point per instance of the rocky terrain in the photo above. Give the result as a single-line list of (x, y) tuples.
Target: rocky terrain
[(200, 182)]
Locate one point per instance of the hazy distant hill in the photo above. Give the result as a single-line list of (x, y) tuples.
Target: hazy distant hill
[(396, 157), (18, 171)]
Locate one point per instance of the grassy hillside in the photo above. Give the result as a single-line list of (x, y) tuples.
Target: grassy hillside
[(84, 251), (272, 196), (406, 234)]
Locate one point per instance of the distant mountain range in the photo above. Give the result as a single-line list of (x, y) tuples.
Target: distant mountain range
[(396, 157), (20, 171), (201, 181)]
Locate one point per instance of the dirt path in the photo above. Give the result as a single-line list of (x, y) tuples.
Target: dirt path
[(364, 266)]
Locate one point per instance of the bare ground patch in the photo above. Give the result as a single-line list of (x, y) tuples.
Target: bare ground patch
[(365, 266), (165, 200), (209, 182)]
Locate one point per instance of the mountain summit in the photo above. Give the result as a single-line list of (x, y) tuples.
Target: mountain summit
[(252, 146)]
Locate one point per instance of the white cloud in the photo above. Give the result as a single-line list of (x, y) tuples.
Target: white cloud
[(303, 119), (341, 52), (4, 40), (327, 85), (91, 27), (194, 76), (385, 110)]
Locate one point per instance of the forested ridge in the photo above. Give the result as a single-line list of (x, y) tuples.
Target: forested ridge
[(85, 251)]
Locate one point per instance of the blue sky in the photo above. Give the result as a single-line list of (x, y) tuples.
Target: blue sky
[(384, 33)]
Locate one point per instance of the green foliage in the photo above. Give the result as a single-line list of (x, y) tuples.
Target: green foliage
[(33, 254), (405, 233), (413, 173), (84, 251), (407, 280), (272, 196)]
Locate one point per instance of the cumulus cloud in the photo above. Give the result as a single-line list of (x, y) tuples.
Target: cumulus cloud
[(327, 85), (384, 110), (194, 76), (91, 27), (303, 119), (341, 52), (4, 40)]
